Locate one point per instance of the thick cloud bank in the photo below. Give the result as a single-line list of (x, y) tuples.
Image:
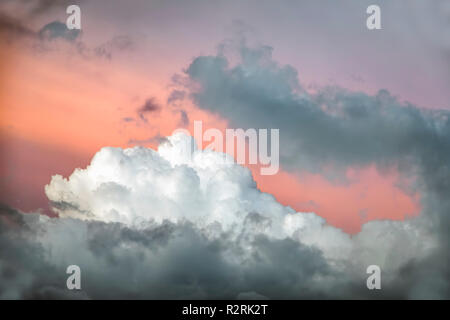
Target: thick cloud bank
[(332, 129), (184, 223)]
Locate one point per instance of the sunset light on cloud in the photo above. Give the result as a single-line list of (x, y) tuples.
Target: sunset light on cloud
[(87, 125)]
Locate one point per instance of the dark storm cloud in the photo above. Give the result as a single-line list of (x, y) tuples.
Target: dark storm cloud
[(336, 128), (164, 260)]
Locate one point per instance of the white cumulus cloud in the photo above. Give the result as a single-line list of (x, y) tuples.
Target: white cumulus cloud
[(178, 184)]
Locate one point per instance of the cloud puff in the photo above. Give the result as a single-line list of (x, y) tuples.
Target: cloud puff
[(58, 30), (176, 182), (186, 223)]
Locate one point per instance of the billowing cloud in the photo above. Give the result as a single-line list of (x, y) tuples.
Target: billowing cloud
[(185, 223), (58, 30), (332, 129)]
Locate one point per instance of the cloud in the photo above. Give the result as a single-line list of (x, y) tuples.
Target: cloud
[(157, 261), (157, 139), (44, 6), (175, 96), (152, 224), (16, 15), (31, 9), (185, 223), (117, 44), (171, 185), (332, 129), (58, 30), (13, 28), (149, 106), (48, 38)]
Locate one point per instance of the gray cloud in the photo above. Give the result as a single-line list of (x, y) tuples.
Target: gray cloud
[(31, 9), (116, 44), (13, 28), (158, 139), (160, 224), (46, 38), (149, 106), (335, 128), (58, 30), (15, 16)]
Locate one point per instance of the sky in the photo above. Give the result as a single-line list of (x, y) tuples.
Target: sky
[(362, 114)]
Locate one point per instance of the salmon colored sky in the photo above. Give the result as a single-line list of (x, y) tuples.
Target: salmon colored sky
[(58, 109)]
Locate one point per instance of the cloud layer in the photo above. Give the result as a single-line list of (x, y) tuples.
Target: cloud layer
[(185, 223)]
